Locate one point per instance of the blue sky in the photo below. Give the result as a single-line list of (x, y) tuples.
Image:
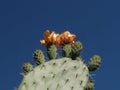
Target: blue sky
[(95, 22)]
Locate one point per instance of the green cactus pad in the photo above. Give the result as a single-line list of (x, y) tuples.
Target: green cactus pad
[(89, 85), (27, 67), (39, 57), (52, 51), (66, 50), (76, 49), (59, 74), (95, 62)]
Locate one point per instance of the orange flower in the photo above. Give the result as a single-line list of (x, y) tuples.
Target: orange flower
[(50, 38), (67, 37)]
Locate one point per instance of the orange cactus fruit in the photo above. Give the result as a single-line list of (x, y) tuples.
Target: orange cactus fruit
[(50, 38), (67, 37)]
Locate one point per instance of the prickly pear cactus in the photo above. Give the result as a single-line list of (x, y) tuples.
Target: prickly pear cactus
[(66, 73)]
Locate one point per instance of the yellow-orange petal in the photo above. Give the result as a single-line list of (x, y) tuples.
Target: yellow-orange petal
[(43, 42), (46, 35), (71, 38), (52, 37), (58, 39), (67, 37)]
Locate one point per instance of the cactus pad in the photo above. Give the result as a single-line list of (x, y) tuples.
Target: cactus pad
[(95, 62), (38, 57), (27, 67), (52, 51), (59, 74), (76, 49)]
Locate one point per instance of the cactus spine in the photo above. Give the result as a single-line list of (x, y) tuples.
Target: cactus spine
[(66, 73)]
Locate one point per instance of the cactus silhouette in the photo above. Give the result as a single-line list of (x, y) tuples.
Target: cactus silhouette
[(69, 72)]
